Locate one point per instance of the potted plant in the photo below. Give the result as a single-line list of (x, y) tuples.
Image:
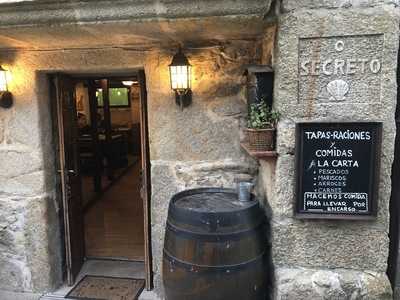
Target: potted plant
[(261, 127)]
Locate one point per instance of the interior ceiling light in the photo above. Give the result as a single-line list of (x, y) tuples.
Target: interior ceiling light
[(129, 82)]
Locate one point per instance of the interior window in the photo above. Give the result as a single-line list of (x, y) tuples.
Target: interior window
[(119, 97)]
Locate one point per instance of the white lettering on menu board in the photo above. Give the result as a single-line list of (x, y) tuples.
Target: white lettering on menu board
[(331, 169)]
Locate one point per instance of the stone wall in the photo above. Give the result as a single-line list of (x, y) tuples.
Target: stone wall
[(29, 247), (291, 5), (330, 259), (198, 146)]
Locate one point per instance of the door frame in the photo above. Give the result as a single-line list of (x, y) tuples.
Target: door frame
[(146, 178), (69, 177), (145, 157)]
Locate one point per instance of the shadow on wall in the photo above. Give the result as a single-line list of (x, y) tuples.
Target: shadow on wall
[(265, 192), (268, 263)]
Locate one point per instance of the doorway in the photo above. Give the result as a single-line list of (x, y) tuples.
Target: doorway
[(103, 167)]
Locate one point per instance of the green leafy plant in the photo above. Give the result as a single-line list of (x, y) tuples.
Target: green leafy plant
[(262, 117)]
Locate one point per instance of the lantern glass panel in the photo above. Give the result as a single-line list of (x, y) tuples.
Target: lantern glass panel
[(180, 77), (3, 81)]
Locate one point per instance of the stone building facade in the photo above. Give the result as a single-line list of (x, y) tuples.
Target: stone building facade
[(337, 260), (199, 146)]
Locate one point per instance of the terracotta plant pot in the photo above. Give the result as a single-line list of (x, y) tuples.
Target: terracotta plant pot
[(261, 139)]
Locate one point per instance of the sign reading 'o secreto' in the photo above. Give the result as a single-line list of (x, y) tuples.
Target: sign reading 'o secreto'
[(340, 69), (337, 169)]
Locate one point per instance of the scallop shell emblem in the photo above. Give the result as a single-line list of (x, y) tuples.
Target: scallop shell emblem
[(338, 89)]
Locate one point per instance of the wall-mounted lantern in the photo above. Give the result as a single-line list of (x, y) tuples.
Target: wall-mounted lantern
[(6, 99), (181, 79)]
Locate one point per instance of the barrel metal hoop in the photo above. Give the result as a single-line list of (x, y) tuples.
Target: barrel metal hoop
[(252, 217), (216, 237), (213, 268)]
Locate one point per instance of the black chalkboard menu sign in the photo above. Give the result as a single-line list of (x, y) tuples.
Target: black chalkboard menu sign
[(337, 170)]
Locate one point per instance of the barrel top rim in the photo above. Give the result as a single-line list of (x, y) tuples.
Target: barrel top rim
[(194, 191)]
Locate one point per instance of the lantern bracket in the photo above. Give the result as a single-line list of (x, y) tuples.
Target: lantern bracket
[(183, 98)]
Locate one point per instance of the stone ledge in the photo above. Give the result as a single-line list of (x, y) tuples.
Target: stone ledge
[(259, 154), (77, 11)]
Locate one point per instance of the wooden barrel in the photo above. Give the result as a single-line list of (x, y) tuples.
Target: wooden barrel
[(215, 247)]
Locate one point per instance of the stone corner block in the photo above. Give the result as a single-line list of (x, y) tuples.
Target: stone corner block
[(296, 283)]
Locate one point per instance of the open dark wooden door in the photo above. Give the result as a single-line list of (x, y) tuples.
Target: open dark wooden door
[(145, 190), (70, 178), (91, 86)]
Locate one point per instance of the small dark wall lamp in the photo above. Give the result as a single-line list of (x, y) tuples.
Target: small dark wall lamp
[(181, 79), (6, 98)]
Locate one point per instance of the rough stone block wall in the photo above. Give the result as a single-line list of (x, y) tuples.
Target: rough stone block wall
[(29, 247), (199, 146), (330, 259)]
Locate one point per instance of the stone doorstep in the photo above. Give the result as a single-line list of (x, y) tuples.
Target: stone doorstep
[(148, 295)]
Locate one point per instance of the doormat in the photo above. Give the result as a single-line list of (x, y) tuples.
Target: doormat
[(107, 288)]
